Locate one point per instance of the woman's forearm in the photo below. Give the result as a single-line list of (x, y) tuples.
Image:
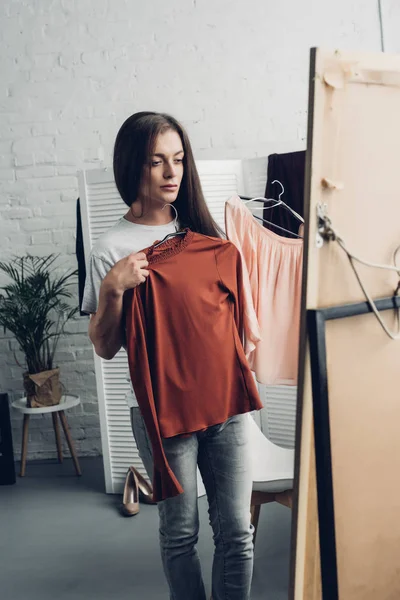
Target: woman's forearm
[(105, 329)]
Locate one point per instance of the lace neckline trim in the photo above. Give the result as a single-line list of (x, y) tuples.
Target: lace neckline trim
[(170, 247)]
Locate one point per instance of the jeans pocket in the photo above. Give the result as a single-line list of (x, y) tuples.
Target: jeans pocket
[(240, 430)]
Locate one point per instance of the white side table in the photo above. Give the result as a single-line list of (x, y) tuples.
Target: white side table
[(66, 402)]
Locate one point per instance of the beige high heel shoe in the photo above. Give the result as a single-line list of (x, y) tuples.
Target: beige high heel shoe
[(130, 498), (145, 488)]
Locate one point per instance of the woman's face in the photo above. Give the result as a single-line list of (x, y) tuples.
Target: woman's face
[(163, 175)]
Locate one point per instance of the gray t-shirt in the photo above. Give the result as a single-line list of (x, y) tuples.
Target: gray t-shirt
[(121, 239)]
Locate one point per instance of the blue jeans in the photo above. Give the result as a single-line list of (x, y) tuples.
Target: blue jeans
[(222, 454)]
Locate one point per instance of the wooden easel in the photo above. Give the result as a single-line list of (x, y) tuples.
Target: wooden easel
[(353, 164)]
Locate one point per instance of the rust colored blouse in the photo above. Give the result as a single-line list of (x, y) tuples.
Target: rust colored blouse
[(185, 327)]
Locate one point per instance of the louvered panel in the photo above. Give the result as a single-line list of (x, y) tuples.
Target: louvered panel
[(101, 207), (220, 180), (123, 451), (121, 429), (278, 417)]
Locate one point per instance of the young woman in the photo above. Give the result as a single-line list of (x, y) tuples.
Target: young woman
[(154, 169)]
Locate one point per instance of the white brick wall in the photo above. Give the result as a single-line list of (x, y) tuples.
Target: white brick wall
[(235, 73)]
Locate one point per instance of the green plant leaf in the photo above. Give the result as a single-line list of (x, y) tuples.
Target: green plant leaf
[(33, 306)]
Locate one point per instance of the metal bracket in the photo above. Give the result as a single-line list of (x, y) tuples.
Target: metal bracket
[(322, 210), (325, 232)]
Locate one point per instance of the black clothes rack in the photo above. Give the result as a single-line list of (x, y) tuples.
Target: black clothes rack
[(289, 169)]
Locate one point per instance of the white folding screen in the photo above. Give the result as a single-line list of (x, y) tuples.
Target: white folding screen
[(220, 179), (101, 207), (278, 417)]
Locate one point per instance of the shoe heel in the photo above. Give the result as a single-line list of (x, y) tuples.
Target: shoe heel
[(145, 488), (130, 499)]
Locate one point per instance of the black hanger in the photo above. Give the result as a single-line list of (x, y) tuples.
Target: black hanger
[(169, 236)]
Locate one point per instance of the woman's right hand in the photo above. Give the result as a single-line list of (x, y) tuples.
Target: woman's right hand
[(127, 273)]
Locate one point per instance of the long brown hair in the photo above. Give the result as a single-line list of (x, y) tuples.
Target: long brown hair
[(133, 148)]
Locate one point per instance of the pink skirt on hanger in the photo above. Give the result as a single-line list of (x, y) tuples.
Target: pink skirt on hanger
[(272, 272)]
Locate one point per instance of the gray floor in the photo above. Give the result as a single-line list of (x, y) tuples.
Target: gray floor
[(62, 537)]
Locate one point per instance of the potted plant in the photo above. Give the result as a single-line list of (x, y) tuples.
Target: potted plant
[(33, 308)]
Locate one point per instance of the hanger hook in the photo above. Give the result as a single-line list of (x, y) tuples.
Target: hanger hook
[(283, 189), (176, 214)]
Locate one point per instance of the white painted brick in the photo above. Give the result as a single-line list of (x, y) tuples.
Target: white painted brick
[(23, 160), (15, 99), (16, 188), (66, 126), (18, 242), (92, 408), (7, 174), (9, 132), (66, 170), (93, 58), (68, 196), (12, 32), (70, 249), (5, 146), (64, 356), (70, 142), (40, 249), (34, 144), (41, 237), (90, 433), (63, 237), (30, 115), (94, 154), (56, 73), (12, 9), (91, 420), (46, 128), (68, 221), (6, 161), (69, 57), (58, 209), (9, 227), (44, 197), (45, 61), (36, 171), (19, 130), (85, 354), (18, 213), (58, 183), (16, 199), (12, 344), (68, 157), (44, 157), (78, 329), (23, 62), (36, 224)]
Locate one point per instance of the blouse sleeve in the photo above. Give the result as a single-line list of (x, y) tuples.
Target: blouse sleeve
[(234, 276)]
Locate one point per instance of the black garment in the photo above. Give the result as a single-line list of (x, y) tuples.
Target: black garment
[(7, 467), (80, 256), (289, 169)]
